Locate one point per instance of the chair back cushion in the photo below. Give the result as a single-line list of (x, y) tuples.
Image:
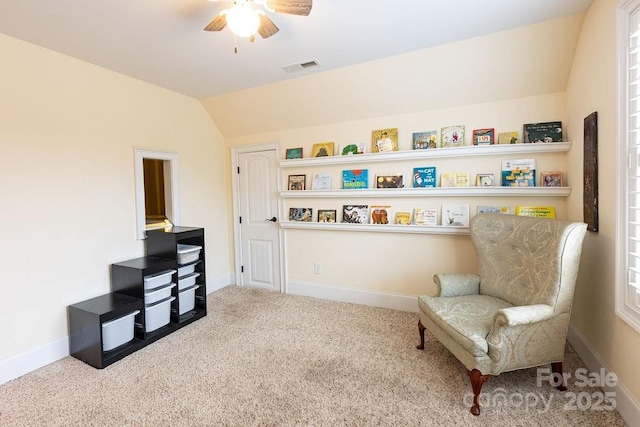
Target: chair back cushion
[(526, 260)]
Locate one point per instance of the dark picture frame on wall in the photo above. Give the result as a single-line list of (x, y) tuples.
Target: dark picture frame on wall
[(590, 185)]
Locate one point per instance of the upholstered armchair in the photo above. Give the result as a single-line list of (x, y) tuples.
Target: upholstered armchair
[(514, 313)]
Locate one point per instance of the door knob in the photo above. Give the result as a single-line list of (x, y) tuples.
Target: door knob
[(274, 219)]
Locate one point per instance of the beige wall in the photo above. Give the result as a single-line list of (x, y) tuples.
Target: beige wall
[(592, 87), (68, 131)]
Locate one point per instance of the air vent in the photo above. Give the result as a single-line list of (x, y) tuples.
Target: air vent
[(300, 67)]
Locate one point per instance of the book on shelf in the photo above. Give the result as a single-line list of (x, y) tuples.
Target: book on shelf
[(384, 140), (297, 182), (452, 136), (484, 180), (551, 179), (355, 179), (519, 173), (455, 215), (542, 132), (425, 216), (425, 177), (353, 148), (403, 218), (493, 209), (537, 211), (300, 214), (355, 214), (294, 153), (326, 215), (394, 180), (454, 179), (321, 181), (380, 214), (425, 140), (484, 136), (508, 137), (322, 149)]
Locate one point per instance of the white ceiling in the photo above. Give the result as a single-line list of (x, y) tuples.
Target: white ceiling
[(162, 41)]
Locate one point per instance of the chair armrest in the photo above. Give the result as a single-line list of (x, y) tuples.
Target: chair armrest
[(522, 315), (453, 285)]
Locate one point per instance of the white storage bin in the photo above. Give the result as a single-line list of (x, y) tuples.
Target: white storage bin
[(186, 270), (158, 294), (118, 331), (157, 315), (187, 300), (188, 253), (156, 280), (187, 281)]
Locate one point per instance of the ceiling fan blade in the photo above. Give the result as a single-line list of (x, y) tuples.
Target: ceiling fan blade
[(218, 23), (292, 7), (267, 27)]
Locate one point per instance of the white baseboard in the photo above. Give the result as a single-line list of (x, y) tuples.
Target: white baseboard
[(220, 282), (626, 405), (401, 302), (31, 360)]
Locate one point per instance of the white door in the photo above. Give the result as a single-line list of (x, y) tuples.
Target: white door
[(258, 220)]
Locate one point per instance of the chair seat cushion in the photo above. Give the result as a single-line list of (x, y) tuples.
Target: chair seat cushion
[(466, 319)]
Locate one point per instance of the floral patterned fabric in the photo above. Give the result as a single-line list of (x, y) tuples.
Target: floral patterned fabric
[(515, 312)]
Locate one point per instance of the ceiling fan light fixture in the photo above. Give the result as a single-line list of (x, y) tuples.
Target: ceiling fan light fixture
[(243, 20)]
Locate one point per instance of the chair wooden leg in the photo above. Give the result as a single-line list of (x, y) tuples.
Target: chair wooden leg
[(477, 379), (556, 368), (421, 329)]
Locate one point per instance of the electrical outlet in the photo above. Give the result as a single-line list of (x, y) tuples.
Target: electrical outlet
[(317, 268)]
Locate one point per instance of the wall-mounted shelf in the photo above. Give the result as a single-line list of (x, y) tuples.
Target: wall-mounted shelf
[(467, 151), (430, 192), (378, 228)]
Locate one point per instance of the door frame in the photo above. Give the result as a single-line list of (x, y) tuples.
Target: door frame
[(235, 184)]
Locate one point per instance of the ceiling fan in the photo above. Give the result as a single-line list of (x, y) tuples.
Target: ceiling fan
[(245, 21)]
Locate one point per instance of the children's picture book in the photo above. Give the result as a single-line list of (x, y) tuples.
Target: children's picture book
[(355, 214), (455, 215), (454, 179), (355, 179), (297, 182), (322, 149), (452, 136), (425, 177), (542, 132), (393, 180), (353, 148), (425, 140), (484, 136), (326, 215), (508, 137), (300, 214), (484, 180), (551, 179), (425, 216), (519, 173), (321, 181), (294, 153), (384, 140), (380, 214), (493, 209), (537, 211), (403, 218)]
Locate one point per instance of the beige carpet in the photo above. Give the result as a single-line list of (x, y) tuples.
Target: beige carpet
[(268, 359)]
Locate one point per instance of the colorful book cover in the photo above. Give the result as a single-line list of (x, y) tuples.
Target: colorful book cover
[(403, 218), (542, 132), (493, 209), (452, 136), (425, 216), (484, 136), (454, 179), (321, 181), (300, 214), (425, 140), (508, 137), (353, 148), (355, 179), (380, 214), (537, 211), (424, 177), (384, 140), (519, 173), (395, 180), (326, 215), (355, 214), (455, 215)]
